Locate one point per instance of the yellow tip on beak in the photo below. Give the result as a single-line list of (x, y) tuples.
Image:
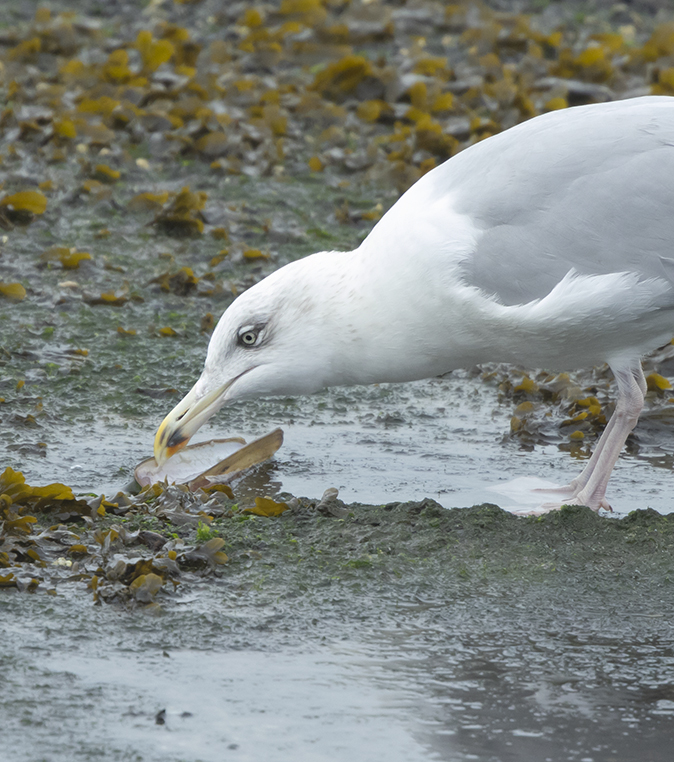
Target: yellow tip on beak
[(166, 443), (182, 422)]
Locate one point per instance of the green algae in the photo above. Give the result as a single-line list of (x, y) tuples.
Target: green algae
[(484, 544)]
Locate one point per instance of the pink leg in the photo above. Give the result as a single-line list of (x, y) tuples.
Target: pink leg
[(575, 485), (589, 488)]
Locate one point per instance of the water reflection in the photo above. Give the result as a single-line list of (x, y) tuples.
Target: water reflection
[(515, 694)]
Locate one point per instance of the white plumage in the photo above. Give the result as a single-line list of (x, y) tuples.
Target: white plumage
[(549, 245)]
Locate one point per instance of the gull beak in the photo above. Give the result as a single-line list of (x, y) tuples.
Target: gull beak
[(184, 420)]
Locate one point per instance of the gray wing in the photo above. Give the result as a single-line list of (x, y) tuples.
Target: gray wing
[(591, 188)]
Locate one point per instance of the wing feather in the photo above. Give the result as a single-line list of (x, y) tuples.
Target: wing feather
[(590, 188)]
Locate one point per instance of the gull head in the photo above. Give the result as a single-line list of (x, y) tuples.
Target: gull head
[(272, 340)]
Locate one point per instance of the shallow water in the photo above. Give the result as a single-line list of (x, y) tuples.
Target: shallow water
[(442, 438), (496, 678)]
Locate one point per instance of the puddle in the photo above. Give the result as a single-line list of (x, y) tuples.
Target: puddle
[(243, 705), (445, 678), (441, 438)]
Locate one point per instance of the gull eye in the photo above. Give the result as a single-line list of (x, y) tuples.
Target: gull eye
[(248, 338)]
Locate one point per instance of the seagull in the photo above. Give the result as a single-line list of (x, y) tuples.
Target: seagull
[(549, 245)]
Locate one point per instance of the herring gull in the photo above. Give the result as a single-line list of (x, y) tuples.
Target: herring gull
[(548, 245)]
